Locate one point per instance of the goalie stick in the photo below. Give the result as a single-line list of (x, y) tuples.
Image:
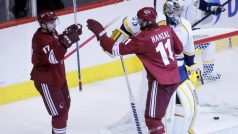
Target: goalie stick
[(202, 19), (77, 46), (132, 99)]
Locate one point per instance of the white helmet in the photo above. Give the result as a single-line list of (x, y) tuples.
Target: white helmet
[(173, 9)]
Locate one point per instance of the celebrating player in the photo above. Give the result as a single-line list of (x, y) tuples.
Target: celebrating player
[(186, 96), (156, 47)]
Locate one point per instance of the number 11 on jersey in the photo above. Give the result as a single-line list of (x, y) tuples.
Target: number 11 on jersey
[(161, 49)]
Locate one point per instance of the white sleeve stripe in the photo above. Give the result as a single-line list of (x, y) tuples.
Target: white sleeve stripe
[(127, 41), (52, 58), (102, 33), (49, 99), (115, 49)]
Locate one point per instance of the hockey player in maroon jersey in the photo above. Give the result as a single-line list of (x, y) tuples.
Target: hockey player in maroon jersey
[(156, 47), (48, 71)]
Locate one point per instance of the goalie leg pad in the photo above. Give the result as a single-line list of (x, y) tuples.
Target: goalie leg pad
[(185, 112), (168, 120)]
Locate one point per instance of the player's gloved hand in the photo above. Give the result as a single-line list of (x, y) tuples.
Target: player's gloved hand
[(75, 27), (66, 39), (215, 8), (70, 35), (96, 28)]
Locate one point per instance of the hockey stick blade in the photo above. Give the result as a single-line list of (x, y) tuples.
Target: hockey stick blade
[(138, 126)]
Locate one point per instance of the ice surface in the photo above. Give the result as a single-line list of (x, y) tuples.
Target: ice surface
[(105, 102)]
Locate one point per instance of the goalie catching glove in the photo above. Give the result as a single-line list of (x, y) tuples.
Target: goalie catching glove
[(70, 35), (96, 28)]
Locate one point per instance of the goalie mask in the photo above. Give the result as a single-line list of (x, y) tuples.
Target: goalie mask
[(173, 10), (146, 17), (47, 20)]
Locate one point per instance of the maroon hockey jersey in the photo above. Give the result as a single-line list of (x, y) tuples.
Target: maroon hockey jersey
[(47, 59), (155, 48)]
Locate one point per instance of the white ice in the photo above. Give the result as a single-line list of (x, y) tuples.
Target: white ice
[(104, 102)]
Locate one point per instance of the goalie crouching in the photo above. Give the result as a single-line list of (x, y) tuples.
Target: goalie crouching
[(182, 110)]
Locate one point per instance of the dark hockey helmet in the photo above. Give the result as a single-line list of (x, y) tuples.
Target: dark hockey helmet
[(46, 16), (147, 14)]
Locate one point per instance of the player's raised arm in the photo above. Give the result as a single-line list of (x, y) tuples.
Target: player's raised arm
[(111, 46)]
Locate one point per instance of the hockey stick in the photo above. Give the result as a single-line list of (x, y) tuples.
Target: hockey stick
[(196, 23), (155, 1), (132, 99), (77, 46)]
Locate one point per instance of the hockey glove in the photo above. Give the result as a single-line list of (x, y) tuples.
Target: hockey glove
[(214, 8), (66, 39), (75, 27), (70, 35), (96, 28)]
